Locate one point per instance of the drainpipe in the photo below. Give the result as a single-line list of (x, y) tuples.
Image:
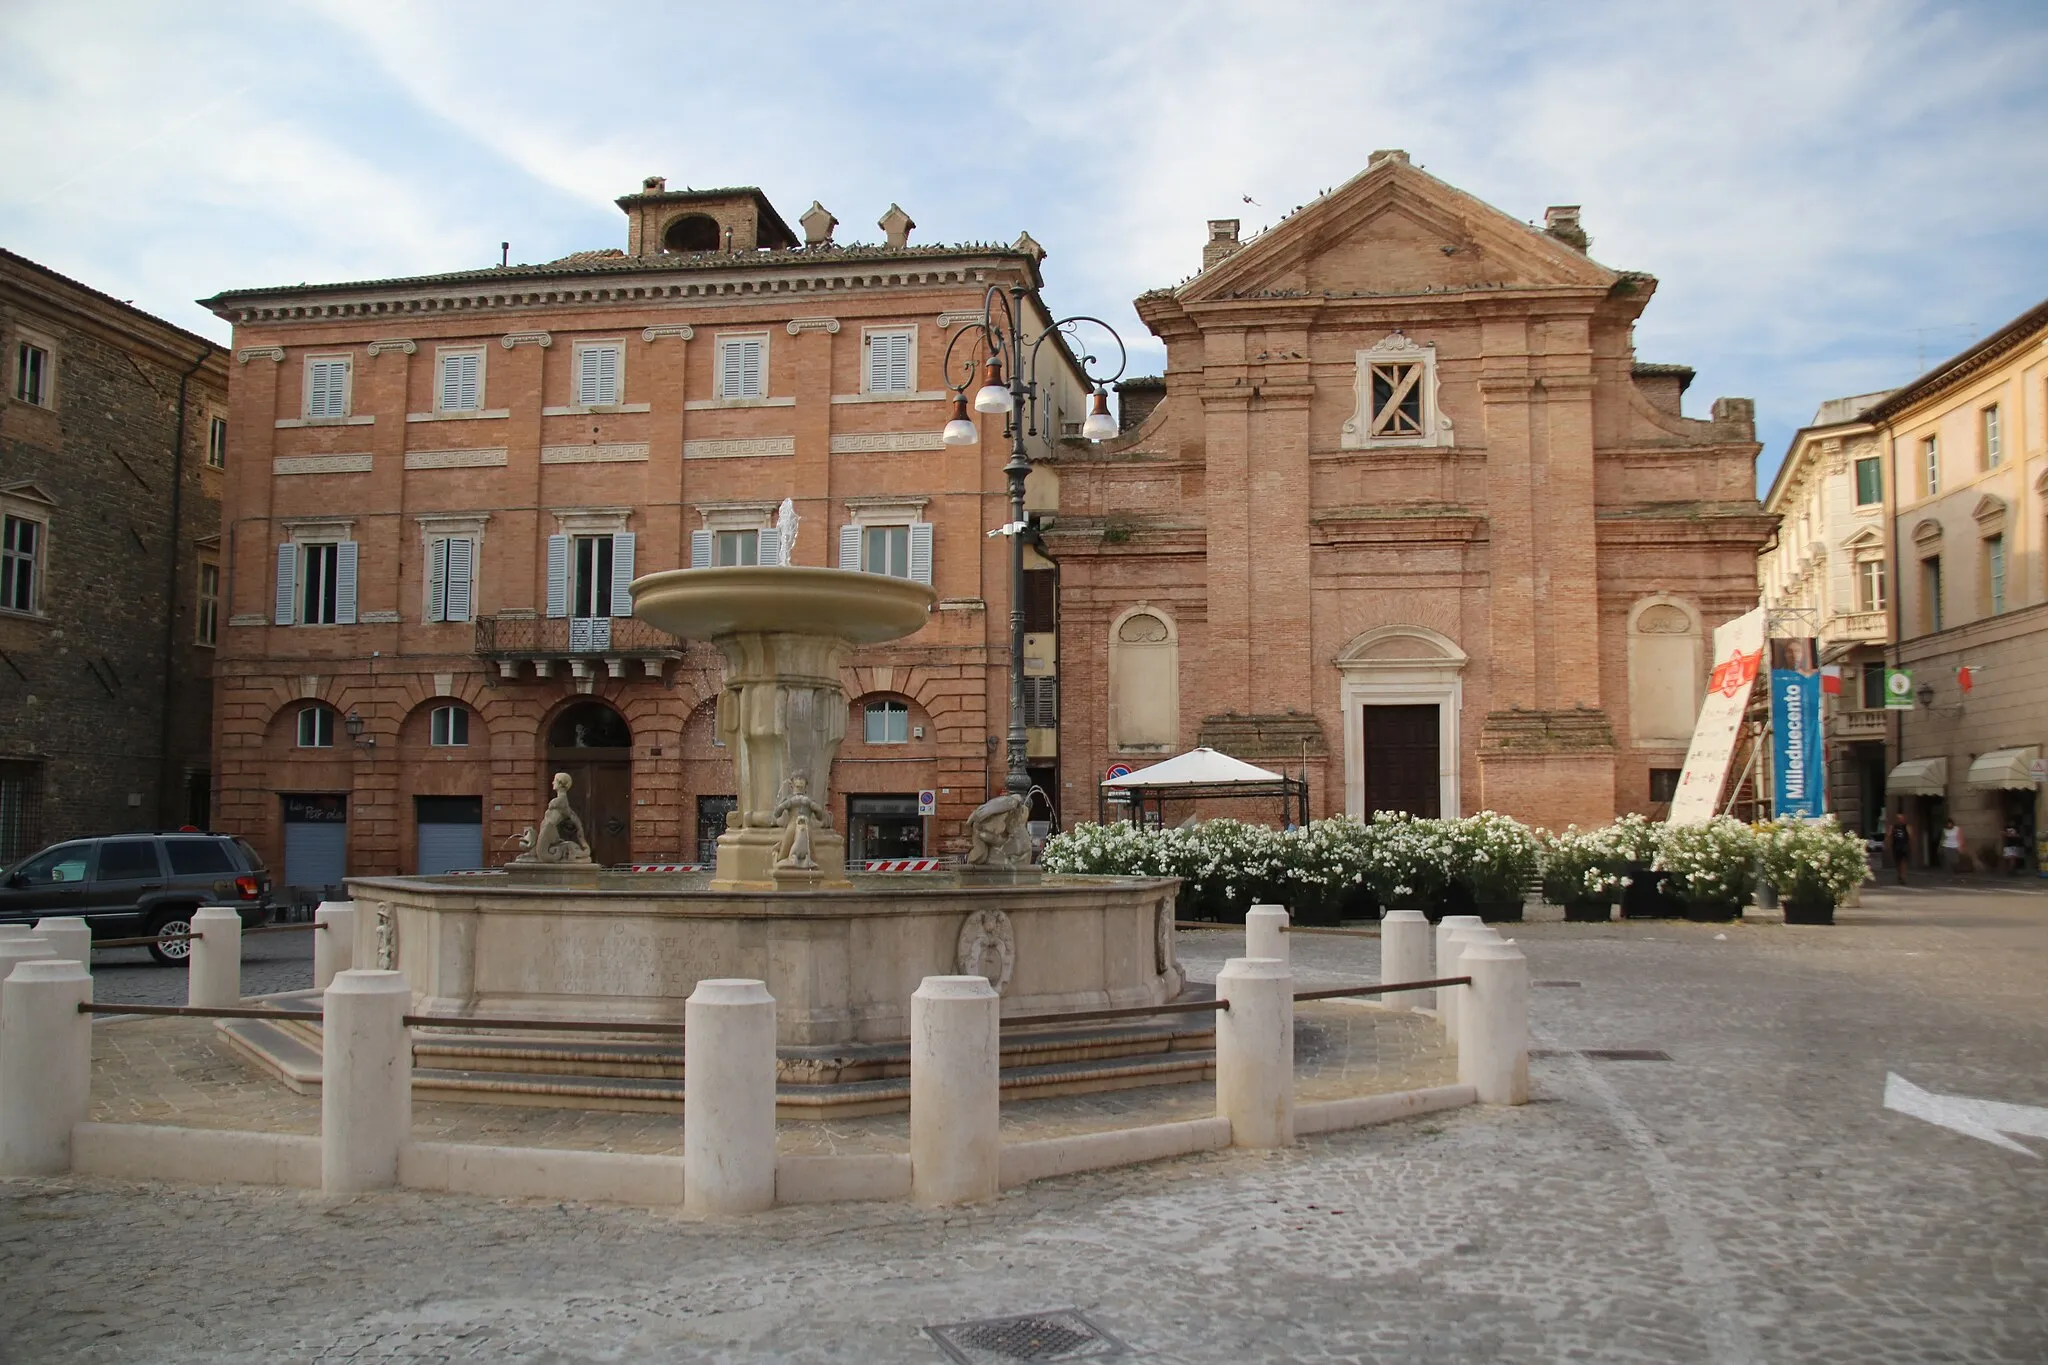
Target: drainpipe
[(164, 756)]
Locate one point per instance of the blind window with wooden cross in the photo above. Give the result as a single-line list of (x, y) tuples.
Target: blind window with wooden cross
[(742, 367), (597, 375), (1397, 399), (888, 362), (461, 381)]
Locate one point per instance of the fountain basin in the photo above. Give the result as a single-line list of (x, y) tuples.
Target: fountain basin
[(839, 604), (841, 964)]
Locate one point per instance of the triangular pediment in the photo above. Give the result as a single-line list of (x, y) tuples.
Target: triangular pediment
[(28, 491), (1863, 539), (1394, 229), (1990, 507)]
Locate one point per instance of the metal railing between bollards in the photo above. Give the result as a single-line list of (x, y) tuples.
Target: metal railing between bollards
[(145, 940), (416, 1020), (1285, 928)]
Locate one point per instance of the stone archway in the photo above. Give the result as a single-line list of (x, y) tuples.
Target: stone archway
[(1403, 669), (591, 742)]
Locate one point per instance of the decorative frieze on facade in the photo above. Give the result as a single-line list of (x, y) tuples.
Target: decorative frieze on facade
[(355, 463), (739, 447), (860, 442), (613, 452), (485, 457)]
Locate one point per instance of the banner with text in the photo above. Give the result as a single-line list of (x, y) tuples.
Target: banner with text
[(1799, 783), (1738, 651)]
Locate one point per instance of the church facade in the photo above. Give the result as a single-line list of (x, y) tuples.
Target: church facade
[(1408, 517)]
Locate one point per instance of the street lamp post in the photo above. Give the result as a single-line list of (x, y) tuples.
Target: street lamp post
[(1009, 373)]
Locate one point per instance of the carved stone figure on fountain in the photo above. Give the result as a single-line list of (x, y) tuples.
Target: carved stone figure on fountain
[(794, 813), (560, 838), (1000, 833)]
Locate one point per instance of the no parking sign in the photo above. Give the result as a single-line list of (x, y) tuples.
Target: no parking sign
[(927, 802)]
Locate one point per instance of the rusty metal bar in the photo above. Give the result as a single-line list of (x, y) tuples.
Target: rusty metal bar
[(144, 941), (284, 928), (1340, 933), (560, 1025), (1341, 991), (198, 1011), (1128, 1012)]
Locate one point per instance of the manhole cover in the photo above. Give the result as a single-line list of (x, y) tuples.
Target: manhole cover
[(1557, 985), (1625, 1054), (1063, 1334)]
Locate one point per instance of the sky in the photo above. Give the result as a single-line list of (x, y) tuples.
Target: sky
[(1833, 196)]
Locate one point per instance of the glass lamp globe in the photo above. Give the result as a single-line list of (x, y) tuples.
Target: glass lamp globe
[(1100, 426), (960, 431), (994, 394)]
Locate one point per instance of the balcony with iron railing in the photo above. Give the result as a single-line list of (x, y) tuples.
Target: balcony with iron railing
[(579, 643)]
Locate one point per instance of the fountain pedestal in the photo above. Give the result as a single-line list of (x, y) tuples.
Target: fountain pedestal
[(785, 633)]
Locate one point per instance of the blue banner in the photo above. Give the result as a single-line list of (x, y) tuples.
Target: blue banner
[(1797, 747)]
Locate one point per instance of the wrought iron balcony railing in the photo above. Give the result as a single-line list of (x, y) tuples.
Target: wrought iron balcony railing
[(568, 637)]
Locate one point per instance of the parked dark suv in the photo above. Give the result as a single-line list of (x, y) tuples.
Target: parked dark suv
[(126, 885)]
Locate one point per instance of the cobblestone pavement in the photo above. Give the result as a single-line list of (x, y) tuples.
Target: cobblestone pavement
[(1748, 1200), (270, 963)]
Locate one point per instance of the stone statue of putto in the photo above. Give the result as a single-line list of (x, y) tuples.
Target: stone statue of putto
[(794, 813), (561, 838), (1000, 830), (786, 523)]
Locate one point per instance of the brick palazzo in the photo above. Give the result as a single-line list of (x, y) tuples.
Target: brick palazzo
[(1407, 513), (440, 487)]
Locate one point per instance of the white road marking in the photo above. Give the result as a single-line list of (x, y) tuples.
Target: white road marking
[(1990, 1120)]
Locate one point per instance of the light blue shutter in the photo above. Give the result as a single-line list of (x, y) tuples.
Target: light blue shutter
[(889, 362), (849, 546), (287, 584), (437, 580), (921, 552), (558, 575), (345, 583), (730, 369), (771, 546), (459, 382), (586, 376), (750, 377), (700, 549), (608, 375), (327, 388), (461, 573), (622, 574)]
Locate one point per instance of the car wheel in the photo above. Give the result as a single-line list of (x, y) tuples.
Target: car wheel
[(171, 922)]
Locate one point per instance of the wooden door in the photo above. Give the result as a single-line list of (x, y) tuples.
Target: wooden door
[(1402, 759), (601, 791)]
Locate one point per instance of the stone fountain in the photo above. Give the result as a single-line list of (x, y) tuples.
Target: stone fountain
[(552, 936)]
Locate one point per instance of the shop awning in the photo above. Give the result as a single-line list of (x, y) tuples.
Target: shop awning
[(2005, 768), (1919, 777)]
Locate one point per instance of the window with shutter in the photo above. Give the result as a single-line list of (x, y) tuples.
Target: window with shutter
[(889, 362), (558, 576), (287, 584), (345, 583), (461, 576), (437, 580), (771, 545), (327, 388), (921, 552), (849, 546), (461, 388), (318, 595), (597, 375), (742, 366), (622, 578), (700, 549)]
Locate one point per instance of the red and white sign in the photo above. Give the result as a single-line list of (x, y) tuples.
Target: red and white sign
[(668, 867), (1117, 770), (1738, 653), (901, 865)]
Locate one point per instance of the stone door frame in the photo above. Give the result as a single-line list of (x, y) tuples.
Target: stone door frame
[(1402, 666)]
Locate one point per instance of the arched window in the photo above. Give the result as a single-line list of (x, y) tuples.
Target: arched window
[(886, 722), (448, 727), (692, 232), (1667, 671), (1144, 681), (316, 727)]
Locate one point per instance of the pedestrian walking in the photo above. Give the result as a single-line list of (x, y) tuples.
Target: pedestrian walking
[(2012, 851), (1952, 847), (1902, 845)]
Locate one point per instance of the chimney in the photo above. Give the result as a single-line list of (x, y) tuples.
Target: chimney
[(896, 225), (1386, 154), (654, 184), (818, 224), (1562, 222), (1223, 242)]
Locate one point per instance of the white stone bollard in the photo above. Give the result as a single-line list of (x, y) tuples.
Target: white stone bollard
[(213, 974), (1255, 1051), (1447, 965), (69, 937), (1493, 1047), (1265, 932), (365, 1081), (955, 1090), (13, 931), (334, 947), (1462, 938), (45, 1065), (20, 948), (1404, 956), (729, 1098)]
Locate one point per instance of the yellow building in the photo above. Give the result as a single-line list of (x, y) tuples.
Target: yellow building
[(1968, 502)]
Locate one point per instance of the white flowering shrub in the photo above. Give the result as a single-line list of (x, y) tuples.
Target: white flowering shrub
[(1583, 867), (1493, 856), (1710, 864), (1633, 838), (1408, 861), (1812, 862)]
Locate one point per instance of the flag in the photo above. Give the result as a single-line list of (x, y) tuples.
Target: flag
[(1963, 679), (1831, 680)]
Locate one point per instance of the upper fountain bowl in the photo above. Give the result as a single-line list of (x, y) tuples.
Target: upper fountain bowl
[(861, 608)]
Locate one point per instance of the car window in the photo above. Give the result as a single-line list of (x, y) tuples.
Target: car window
[(198, 857), (128, 860), (255, 862), (64, 863)]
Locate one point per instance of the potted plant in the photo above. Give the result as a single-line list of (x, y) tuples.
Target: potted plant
[(1814, 865), (1710, 867), (1494, 857), (1633, 840), (1582, 872), (1408, 863)]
